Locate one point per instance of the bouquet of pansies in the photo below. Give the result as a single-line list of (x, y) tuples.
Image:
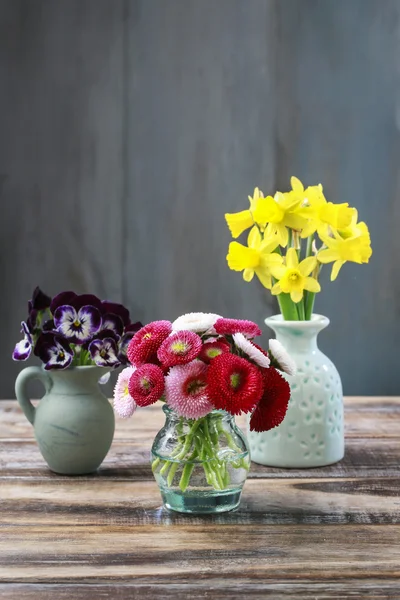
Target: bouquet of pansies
[(199, 363), (299, 221), (75, 330)]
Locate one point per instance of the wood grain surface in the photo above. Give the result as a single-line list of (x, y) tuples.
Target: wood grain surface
[(325, 533)]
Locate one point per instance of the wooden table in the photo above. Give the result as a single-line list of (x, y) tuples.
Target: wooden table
[(322, 533)]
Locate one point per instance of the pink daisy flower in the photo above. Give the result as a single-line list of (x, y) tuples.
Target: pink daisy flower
[(143, 346), (252, 350), (146, 384), (213, 348), (179, 348), (231, 326), (186, 390), (124, 404)]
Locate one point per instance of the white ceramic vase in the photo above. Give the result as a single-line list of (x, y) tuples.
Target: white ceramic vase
[(312, 433)]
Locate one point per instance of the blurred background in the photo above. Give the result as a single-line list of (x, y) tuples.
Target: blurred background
[(129, 127)]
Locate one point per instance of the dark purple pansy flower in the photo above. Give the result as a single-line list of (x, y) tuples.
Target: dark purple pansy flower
[(130, 331), (32, 320), (65, 298), (113, 323), (23, 349), (78, 326), (40, 300), (71, 299), (48, 325), (104, 352), (114, 308), (53, 349)]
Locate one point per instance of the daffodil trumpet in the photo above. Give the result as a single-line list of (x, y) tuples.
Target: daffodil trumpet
[(282, 244)]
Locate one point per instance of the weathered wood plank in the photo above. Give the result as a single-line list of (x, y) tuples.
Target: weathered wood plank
[(364, 418), (134, 503), (148, 553), (371, 589), (130, 460)]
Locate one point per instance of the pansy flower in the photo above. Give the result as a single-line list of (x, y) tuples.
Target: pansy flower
[(125, 340), (104, 349), (79, 318), (40, 300), (23, 349), (53, 350)]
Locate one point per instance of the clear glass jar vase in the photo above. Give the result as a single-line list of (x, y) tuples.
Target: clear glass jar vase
[(200, 465)]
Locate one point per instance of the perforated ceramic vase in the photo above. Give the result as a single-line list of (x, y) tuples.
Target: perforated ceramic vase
[(312, 433)]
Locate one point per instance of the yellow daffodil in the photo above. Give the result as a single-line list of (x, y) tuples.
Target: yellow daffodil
[(257, 258), (294, 277), (318, 211), (280, 212), (240, 221), (353, 245)]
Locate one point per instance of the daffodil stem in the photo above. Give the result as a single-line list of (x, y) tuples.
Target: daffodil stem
[(309, 305), (300, 308), (287, 307), (309, 297)]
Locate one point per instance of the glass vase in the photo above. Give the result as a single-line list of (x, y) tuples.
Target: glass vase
[(200, 465)]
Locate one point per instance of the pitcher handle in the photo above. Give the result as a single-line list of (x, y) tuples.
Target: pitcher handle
[(21, 382)]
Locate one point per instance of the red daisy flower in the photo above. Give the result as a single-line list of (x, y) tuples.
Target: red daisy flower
[(179, 348), (146, 385), (143, 346), (234, 384), (231, 326), (211, 350), (271, 409)]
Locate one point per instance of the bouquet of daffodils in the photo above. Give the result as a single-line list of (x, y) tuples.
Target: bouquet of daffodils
[(75, 330), (199, 363), (291, 236)]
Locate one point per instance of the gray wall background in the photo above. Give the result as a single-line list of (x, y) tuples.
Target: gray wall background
[(129, 127)]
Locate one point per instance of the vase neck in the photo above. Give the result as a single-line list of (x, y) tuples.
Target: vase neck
[(298, 336), (76, 379)]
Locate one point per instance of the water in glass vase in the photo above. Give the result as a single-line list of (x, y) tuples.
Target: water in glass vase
[(200, 465)]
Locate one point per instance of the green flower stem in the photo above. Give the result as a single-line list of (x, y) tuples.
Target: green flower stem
[(308, 296), (186, 475), (309, 305), (300, 308), (155, 464), (189, 439), (172, 471), (287, 307)]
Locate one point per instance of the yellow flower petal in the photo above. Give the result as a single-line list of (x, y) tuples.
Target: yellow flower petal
[(276, 289), (248, 274), (277, 271), (254, 238), (239, 222), (240, 257), (292, 260), (296, 184), (268, 211), (265, 278), (312, 285), (296, 295), (336, 268), (327, 256), (307, 265)]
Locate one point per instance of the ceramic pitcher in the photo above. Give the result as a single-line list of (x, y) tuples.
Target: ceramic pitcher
[(311, 434), (73, 422)]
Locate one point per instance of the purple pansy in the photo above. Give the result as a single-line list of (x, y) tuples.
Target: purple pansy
[(40, 300), (23, 349), (77, 325), (130, 331), (114, 317), (104, 349), (54, 350)]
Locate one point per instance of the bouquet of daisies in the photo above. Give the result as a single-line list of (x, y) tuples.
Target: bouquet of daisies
[(201, 363)]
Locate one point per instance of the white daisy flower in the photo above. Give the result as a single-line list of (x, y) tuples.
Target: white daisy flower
[(124, 404), (197, 322), (252, 352), (281, 359)]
